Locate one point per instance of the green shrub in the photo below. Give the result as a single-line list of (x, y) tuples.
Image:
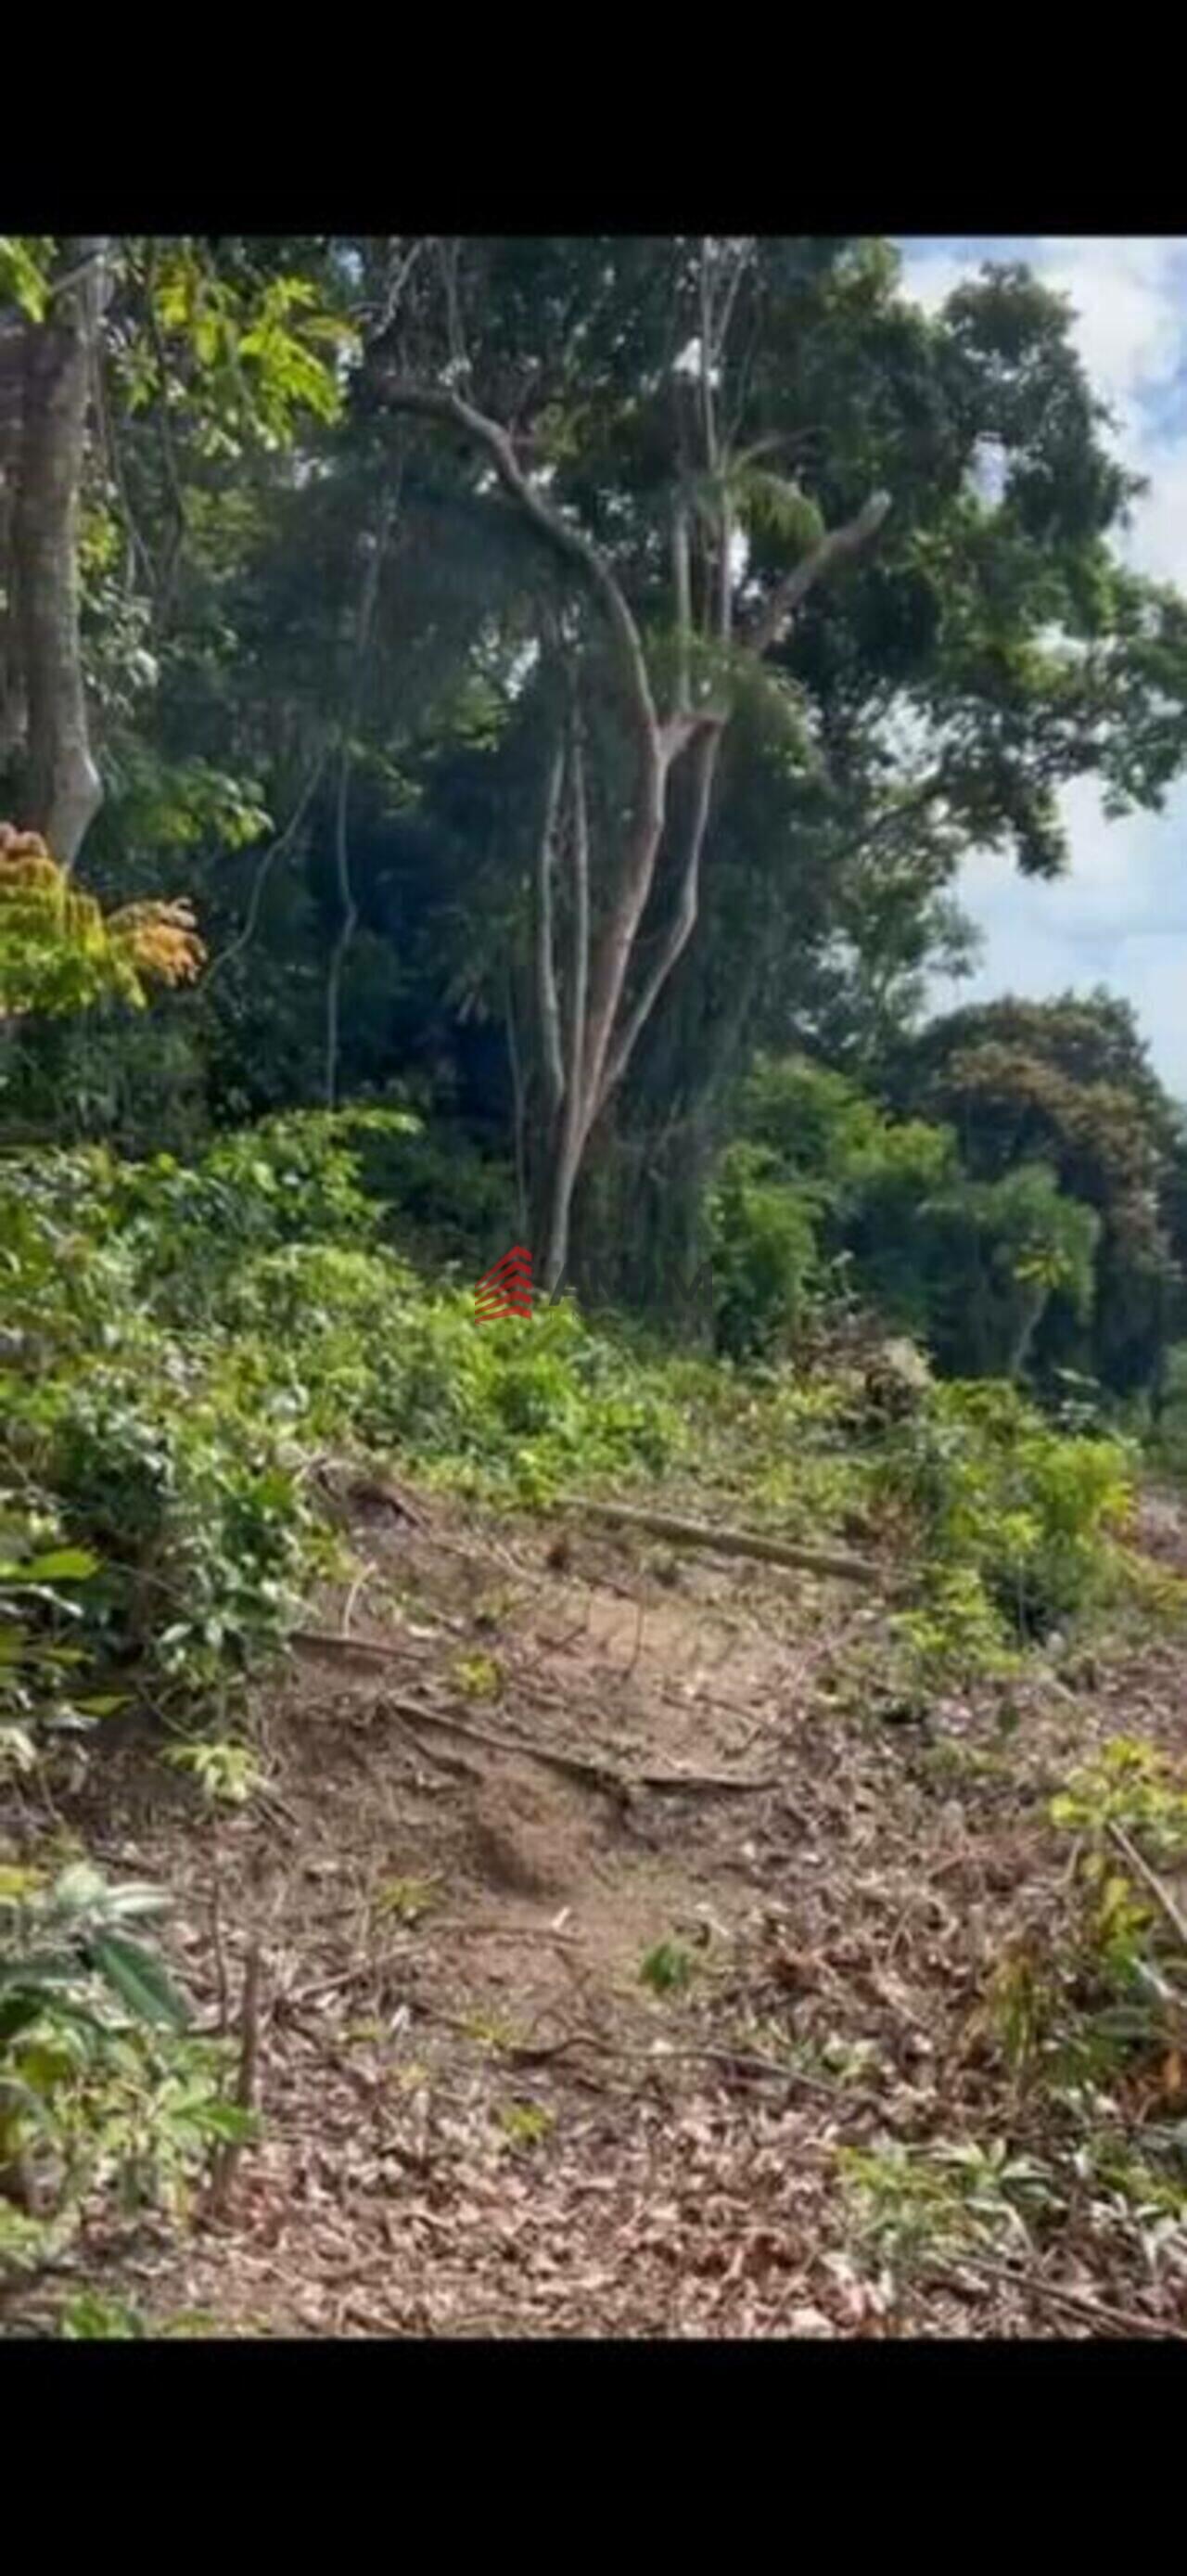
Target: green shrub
[(40, 1657), (294, 1178), (102, 2088), (996, 1489), (972, 1266), (764, 1249), (202, 1332)]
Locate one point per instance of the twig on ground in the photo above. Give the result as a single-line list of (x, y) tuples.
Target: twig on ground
[(739, 2061), (1168, 1907), (707, 1783), (485, 1931), (743, 2061), (538, 2053), (637, 1645), (342, 1643), (356, 2315), (220, 1955), (271, 1797), (553, 1645), (361, 1579), (1126, 2321), (246, 2082)]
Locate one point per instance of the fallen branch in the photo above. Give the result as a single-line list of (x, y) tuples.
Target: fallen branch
[(730, 1542), (1126, 2321), (485, 1931), (335, 1643), (539, 2053), (1168, 1907), (712, 1783), (742, 2061), (737, 2061), (574, 1766)]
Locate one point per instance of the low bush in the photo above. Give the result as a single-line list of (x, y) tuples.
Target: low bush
[(1027, 1512), (103, 2089), (186, 1339)]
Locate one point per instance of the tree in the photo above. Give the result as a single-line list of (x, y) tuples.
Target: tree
[(130, 372), (46, 366), (1069, 1082), (463, 625), (695, 438), (672, 719)]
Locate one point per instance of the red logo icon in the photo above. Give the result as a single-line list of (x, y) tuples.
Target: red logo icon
[(506, 1288)]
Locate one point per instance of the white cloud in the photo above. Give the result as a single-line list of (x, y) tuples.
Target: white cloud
[(1120, 917)]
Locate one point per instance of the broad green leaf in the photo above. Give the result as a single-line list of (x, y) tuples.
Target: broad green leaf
[(62, 1565), (140, 1980)]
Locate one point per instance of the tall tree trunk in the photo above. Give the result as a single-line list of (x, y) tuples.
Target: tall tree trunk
[(12, 404), (1024, 1334), (61, 790), (564, 1166), (612, 1019), (567, 1101)]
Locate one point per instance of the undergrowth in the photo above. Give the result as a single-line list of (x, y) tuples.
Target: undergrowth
[(188, 1341), (188, 1345)]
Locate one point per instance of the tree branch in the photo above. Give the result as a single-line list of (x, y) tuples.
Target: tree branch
[(683, 921), (347, 926), (274, 850), (350, 916), (172, 553), (433, 402), (547, 997), (838, 547), (516, 1069), (579, 870), (682, 587)]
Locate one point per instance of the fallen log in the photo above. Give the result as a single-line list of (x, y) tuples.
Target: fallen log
[(730, 1542)]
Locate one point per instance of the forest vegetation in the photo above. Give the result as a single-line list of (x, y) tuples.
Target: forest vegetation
[(490, 729)]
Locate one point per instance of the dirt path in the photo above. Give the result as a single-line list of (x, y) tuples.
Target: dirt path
[(481, 2115)]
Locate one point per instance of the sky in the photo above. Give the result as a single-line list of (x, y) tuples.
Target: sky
[(1120, 916)]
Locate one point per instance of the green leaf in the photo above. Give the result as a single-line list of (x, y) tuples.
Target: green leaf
[(39, 1968), (135, 1896), (140, 1980), (62, 1565), (22, 278)]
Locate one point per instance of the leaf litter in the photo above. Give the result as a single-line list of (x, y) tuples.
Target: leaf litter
[(479, 2117)]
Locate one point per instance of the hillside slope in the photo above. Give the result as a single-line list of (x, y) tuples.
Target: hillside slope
[(604, 2049)]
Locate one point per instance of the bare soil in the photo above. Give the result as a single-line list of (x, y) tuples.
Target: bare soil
[(479, 2117)]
